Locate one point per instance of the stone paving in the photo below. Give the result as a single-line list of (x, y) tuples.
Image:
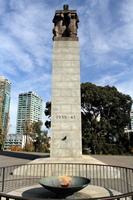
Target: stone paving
[(85, 159), (8, 158), (37, 191)]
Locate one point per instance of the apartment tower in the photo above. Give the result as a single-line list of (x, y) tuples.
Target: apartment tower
[(29, 109), (5, 91)]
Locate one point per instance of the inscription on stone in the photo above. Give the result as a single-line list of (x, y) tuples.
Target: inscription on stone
[(65, 117)]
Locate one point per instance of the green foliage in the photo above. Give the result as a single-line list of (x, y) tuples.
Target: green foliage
[(48, 114), (105, 113), (112, 107), (41, 143), (28, 147), (36, 139)]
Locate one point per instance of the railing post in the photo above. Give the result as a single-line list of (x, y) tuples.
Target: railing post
[(127, 180), (3, 179), (44, 170), (86, 170)]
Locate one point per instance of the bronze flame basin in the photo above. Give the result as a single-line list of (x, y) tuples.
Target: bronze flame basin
[(64, 186)]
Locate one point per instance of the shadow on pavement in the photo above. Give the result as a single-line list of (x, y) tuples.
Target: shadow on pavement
[(23, 155)]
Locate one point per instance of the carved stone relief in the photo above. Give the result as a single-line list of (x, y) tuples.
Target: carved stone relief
[(66, 23)]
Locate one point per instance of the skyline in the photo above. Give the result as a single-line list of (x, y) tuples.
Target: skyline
[(26, 50)]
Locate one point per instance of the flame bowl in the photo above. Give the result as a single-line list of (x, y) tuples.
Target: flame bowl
[(54, 184)]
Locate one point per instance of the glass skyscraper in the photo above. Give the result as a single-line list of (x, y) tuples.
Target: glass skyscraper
[(5, 91), (29, 108)]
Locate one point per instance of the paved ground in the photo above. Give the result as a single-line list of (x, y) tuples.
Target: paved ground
[(124, 161), (8, 158), (38, 191)]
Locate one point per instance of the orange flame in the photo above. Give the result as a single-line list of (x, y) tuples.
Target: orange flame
[(65, 180), (64, 184)]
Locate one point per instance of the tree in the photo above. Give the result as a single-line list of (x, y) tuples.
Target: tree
[(28, 146), (38, 138), (41, 143), (48, 114), (105, 113), (45, 142), (26, 128), (27, 131)]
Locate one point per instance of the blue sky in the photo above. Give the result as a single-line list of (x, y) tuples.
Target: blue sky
[(105, 36)]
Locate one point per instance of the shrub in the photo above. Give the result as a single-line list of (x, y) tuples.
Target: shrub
[(15, 148), (28, 147)]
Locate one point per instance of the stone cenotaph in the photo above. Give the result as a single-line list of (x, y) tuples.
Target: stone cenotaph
[(66, 138)]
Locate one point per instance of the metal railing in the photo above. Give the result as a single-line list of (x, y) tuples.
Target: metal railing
[(113, 177)]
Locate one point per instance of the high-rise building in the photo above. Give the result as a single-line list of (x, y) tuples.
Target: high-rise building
[(5, 90), (131, 116), (129, 127), (29, 108)]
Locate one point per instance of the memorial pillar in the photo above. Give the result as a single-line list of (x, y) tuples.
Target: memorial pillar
[(66, 138)]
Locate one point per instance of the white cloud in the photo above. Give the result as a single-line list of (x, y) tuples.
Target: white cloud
[(113, 79), (26, 38), (126, 87), (12, 52), (127, 11), (106, 80)]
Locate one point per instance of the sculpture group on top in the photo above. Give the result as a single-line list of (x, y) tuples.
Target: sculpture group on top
[(66, 23)]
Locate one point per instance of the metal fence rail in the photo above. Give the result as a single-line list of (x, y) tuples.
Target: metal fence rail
[(112, 177)]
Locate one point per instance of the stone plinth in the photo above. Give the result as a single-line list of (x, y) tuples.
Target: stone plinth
[(66, 100)]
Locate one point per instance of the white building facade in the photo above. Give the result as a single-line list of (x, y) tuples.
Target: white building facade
[(29, 109)]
